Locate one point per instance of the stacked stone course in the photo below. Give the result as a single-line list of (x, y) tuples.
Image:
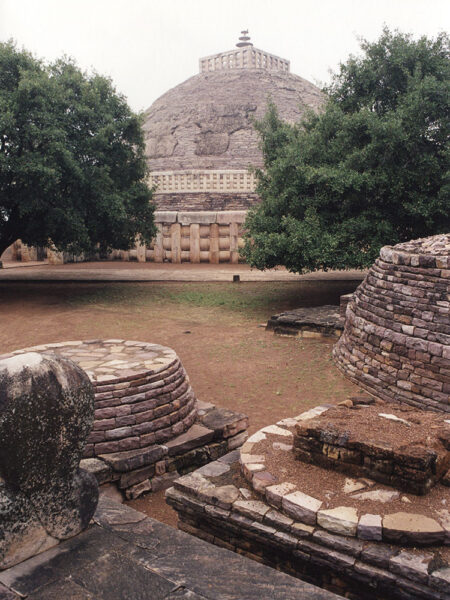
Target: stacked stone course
[(412, 467), (396, 340), (239, 503), (204, 201), (148, 427), (141, 412)]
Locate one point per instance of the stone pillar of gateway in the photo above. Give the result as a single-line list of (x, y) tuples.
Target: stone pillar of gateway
[(200, 147)]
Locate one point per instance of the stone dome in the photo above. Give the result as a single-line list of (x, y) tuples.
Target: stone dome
[(396, 340), (206, 121), (200, 136)]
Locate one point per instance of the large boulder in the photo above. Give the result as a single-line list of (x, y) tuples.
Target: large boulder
[(46, 414)]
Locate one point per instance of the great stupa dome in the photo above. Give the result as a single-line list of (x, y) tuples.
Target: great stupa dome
[(200, 138), (200, 143)]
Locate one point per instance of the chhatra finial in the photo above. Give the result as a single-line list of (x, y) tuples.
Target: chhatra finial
[(244, 40)]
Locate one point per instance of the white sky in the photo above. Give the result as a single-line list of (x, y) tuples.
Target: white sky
[(149, 46)]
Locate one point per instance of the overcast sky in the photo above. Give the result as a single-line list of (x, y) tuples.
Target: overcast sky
[(149, 46)]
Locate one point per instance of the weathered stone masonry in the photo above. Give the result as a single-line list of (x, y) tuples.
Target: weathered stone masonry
[(203, 201), (46, 413), (149, 427), (396, 341), (237, 503), (201, 141)]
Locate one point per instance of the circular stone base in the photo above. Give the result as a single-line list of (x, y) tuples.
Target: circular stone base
[(316, 497), (142, 392), (396, 340)]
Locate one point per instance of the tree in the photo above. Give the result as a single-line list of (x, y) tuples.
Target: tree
[(370, 169), (72, 165)]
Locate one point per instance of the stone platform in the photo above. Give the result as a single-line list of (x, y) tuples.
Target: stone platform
[(352, 536), (148, 427), (126, 555), (215, 432), (311, 322), (404, 448)]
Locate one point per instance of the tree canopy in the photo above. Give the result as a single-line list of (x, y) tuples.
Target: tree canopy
[(371, 168), (72, 165)]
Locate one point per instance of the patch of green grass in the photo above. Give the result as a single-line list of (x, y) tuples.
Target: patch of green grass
[(255, 300), (249, 298)]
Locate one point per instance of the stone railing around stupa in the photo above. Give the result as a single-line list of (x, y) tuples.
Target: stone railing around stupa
[(207, 180), (396, 340), (205, 236), (247, 57)]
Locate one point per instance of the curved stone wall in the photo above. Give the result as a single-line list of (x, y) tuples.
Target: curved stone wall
[(142, 392), (206, 122), (396, 340)]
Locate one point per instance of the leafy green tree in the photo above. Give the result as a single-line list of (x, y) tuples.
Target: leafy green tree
[(72, 165), (372, 168)]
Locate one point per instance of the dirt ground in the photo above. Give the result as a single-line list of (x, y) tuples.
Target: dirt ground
[(216, 329)]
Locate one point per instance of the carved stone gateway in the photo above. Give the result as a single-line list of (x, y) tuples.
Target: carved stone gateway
[(46, 414)]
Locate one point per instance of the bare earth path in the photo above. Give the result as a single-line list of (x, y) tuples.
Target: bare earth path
[(134, 271), (214, 327)]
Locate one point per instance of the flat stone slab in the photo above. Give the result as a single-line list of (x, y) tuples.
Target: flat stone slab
[(369, 527), (301, 506), (128, 555), (314, 321), (224, 422), (404, 527), (133, 459), (193, 438), (342, 520)]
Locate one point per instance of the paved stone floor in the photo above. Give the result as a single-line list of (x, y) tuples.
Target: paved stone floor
[(133, 271), (128, 556), (111, 361)]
